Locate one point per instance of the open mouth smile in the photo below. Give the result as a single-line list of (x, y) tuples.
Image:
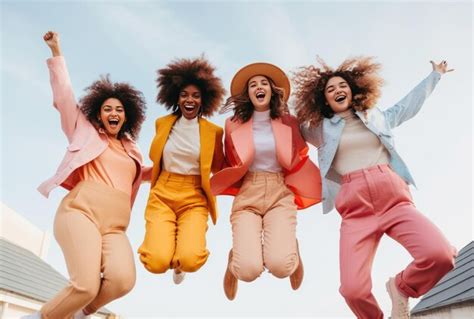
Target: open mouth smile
[(189, 108), (260, 96), (113, 123), (340, 98)]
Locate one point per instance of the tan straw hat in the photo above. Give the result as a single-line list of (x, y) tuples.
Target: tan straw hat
[(241, 78)]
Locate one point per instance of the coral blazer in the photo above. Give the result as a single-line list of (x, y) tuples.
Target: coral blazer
[(85, 141), (302, 176), (211, 158)]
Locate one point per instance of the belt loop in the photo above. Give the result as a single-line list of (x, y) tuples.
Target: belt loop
[(380, 168), (348, 176), (254, 177)]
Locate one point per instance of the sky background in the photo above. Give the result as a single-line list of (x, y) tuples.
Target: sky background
[(131, 40)]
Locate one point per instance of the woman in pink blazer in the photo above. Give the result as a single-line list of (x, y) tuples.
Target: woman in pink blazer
[(269, 173), (102, 169)]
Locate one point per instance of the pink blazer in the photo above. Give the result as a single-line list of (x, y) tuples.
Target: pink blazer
[(301, 174), (85, 142)]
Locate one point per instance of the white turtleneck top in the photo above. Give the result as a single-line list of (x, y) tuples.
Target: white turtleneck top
[(265, 159)]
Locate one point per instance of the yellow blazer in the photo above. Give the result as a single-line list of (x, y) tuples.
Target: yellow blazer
[(211, 155)]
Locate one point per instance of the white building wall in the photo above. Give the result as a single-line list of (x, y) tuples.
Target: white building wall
[(21, 232), (16, 310)]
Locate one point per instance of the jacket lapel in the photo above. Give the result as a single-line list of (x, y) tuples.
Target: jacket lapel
[(207, 139), (283, 142), (242, 137), (163, 131)]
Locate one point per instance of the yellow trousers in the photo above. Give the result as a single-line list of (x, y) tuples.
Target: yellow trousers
[(176, 224)]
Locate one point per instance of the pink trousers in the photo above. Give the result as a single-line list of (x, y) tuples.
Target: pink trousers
[(373, 202)]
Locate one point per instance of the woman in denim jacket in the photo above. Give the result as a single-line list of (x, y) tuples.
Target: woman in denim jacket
[(367, 181)]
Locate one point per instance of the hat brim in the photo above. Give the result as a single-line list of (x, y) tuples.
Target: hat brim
[(241, 78)]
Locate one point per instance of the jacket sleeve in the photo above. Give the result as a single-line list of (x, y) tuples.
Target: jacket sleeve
[(311, 134), (411, 104), (229, 145), (146, 173), (63, 96), (218, 161)]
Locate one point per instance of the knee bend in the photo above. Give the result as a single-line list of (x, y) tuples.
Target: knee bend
[(439, 259), (191, 261), (87, 290), (247, 271), (156, 263), (281, 266), (444, 261), (122, 285), (352, 293)]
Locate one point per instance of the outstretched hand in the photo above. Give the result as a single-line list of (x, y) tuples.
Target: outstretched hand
[(442, 67), (52, 40)]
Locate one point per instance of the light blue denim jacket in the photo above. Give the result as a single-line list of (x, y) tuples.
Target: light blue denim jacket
[(326, 136)]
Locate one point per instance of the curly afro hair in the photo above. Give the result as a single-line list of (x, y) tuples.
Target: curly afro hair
[(183, 72), (243, 107), (132, 99), (361, 73)]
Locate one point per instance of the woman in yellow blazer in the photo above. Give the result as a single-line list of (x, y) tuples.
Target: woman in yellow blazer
[(184, 151)]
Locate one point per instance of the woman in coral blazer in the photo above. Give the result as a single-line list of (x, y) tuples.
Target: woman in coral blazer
[(269, 173), (185, 150), (102, 169)]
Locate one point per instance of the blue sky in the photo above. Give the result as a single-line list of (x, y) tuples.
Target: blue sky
[(132, 40)]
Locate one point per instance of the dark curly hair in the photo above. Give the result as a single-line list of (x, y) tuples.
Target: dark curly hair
[(132, 99), (243, 107), (361, 74), (183, 72)]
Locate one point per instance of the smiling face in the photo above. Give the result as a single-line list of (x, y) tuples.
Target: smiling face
[(189, 101), (338, 94), (112, 116), (260, 92)]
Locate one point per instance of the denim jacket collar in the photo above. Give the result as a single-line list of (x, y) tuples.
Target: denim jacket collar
[(335, 119)]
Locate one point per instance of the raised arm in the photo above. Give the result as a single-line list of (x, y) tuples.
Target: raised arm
[(411, 104), (63, 96)]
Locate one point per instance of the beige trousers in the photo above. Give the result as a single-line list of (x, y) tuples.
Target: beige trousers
[(263, 228), (90, 227)]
